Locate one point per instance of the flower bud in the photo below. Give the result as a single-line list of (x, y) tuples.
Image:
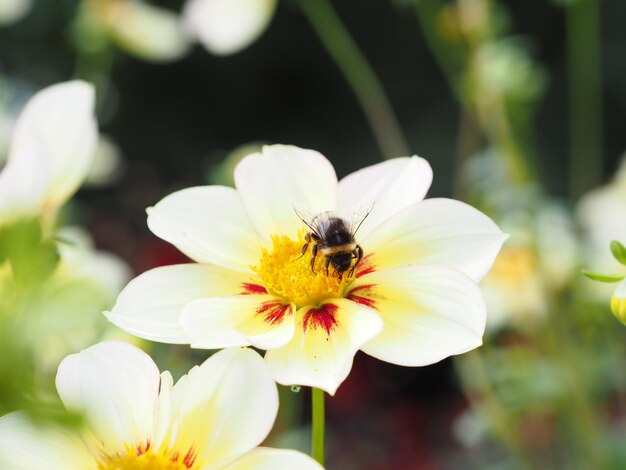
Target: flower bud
[(618, 302)]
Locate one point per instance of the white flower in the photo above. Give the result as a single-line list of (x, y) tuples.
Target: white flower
[(213, 418), (13, 10), (227, 26), (599, 213), (539, 259), (51, 151), (251, 286), (145, 30)]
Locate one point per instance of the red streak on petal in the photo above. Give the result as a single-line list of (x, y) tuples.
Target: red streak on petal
[(249, 288), (272, 311), (322, 317), (140, 450), (363, 299), (366, 266), (190, 458), (174, 457)]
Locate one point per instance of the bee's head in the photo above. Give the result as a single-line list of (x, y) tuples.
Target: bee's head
[(341, 262)]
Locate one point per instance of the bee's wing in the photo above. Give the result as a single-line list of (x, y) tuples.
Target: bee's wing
[(359, 214), (305, 215)]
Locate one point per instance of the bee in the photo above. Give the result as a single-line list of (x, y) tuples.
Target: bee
[(333, 237)]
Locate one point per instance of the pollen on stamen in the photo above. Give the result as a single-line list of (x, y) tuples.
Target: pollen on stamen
[(286, 273), (142, 457)]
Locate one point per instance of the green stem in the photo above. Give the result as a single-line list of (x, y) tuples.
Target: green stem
[(478, 388), (584, 63), (317, 402), (448, 58), (358, 72)]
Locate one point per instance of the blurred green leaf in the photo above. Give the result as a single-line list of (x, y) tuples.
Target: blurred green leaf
[(32, 259), (619, 251), (603, 277)]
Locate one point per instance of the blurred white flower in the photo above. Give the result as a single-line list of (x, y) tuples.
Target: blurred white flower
[(252, 285), (64, 315), (107, 165), (505, 69), (599, 213), (51, 151), (540, 258), (135, 418), (13, 10), (147, 31), (227, 26)]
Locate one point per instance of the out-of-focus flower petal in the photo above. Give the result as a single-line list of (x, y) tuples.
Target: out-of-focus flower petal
[(26, 446), (81, 261), (223, 408), (263, 458), (62, 118), (13, 10), (150, 32), (227, 26), (618, 302), (23, 182), (280, 179), (107, 165), (115, 387)]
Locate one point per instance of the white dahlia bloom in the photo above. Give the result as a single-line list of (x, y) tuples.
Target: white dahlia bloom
[(144, 30), (227, 26), (212, 418), (51, 151), (412, 301)]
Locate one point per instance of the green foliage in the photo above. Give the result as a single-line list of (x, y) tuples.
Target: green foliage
[(603, 277), (33, 258), (619, 251)]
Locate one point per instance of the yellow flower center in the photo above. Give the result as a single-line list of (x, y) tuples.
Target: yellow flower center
[(514, 265), (146, 459), (287, 274)]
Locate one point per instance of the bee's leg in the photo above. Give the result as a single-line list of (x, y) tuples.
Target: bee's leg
[(313, 255), (358, 254), (326, 265), (307, 239)]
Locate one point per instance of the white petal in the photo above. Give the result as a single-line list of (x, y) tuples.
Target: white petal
[(391, 185), (323, 347), (26, 446), (227, 26), (24, 181), (437, 232), (81, 261), (262, 321), (151, 305), (13, 10), (283, 176), (223, 408), (264, 458), (115, 386), (429, 313), (208, 224), (150, 32), (62, 116)]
